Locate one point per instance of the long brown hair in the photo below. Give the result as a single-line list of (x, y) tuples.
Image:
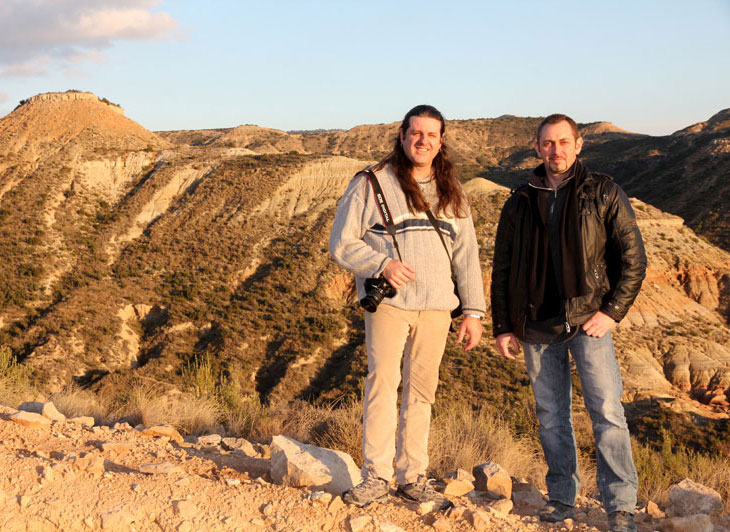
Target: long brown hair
[(450, 194)]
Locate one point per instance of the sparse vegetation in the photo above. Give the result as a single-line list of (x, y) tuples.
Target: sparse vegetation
[(15, 385)]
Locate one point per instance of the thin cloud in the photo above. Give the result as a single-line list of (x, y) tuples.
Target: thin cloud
[(37, 36)]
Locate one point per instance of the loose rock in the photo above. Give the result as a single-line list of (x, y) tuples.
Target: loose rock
[(654, 511), (479, 519), (502, 506), (457, 487), (493, 478), (460, 474), (240, 444), (297, 464), (165, 431), (36, 407), (84, 421), (321, 497), (336, 505), (115, 447), (442, 524), (356, 523), (209, 439), (690, 498), (162, 468), (51, 412), (30, 419), (528, 496)]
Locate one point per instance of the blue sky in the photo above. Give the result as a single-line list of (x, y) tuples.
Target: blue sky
[(650, 66)]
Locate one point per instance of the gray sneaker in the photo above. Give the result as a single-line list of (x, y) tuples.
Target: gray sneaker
[(621, 522), (371, 489), (422, 491), (555, 511)]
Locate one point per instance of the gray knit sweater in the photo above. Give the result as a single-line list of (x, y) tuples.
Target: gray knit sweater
[(359, 243)]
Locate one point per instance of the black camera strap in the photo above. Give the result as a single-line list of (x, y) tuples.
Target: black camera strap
[(431, 218), (383, 208)]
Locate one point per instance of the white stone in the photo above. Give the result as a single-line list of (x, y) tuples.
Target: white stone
[(51, 412), (690, 498), (297, 464), (30, 419)]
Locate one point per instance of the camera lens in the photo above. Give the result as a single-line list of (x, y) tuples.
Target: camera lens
[(369, 303)]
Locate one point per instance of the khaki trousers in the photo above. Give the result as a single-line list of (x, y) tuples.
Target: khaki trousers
[(419, 338)]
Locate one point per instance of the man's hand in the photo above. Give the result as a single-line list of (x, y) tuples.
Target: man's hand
[(471, 330), (504, 342), (398, 273), (599, 324)]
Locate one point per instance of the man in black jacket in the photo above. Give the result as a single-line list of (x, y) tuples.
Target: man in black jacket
[(568, 263)]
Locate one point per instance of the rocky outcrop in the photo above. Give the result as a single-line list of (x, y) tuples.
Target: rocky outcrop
[(71, 96)]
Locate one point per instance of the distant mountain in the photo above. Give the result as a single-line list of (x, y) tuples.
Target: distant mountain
[(127, 254)]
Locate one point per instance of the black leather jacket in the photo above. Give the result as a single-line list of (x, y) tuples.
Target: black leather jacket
[(614, 257)]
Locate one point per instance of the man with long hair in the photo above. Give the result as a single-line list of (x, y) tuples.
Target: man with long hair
[(568, 263), (412, 325)]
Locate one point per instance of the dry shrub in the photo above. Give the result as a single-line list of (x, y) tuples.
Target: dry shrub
[(72, 401), (462, 437), (199, 377), (145, 405), (659, 469), (339, 426), (148, 405), (196, 415), (15, 385)]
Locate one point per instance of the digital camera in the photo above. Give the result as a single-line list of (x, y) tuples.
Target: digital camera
[(376, 288)]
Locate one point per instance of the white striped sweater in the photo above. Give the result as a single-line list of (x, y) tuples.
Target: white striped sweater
[(360, 244)]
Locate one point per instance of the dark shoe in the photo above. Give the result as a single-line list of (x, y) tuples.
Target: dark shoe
[(422, 491), (621, 522), (556, 511), (371, 489)]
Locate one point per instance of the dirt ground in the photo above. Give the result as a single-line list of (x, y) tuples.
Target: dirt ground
[(69, 477)]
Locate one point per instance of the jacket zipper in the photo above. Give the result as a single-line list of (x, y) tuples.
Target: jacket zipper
[(567, 314)]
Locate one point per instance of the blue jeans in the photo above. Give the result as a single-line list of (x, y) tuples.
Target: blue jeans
[(548, 367)]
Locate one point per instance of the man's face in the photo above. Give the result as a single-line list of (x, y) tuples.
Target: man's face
[(557, 147), (422, 140)]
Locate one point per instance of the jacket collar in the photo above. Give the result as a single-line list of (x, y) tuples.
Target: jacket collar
[(538, 178)]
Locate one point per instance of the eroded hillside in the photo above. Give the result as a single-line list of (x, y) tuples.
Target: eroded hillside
[(129, 256)]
